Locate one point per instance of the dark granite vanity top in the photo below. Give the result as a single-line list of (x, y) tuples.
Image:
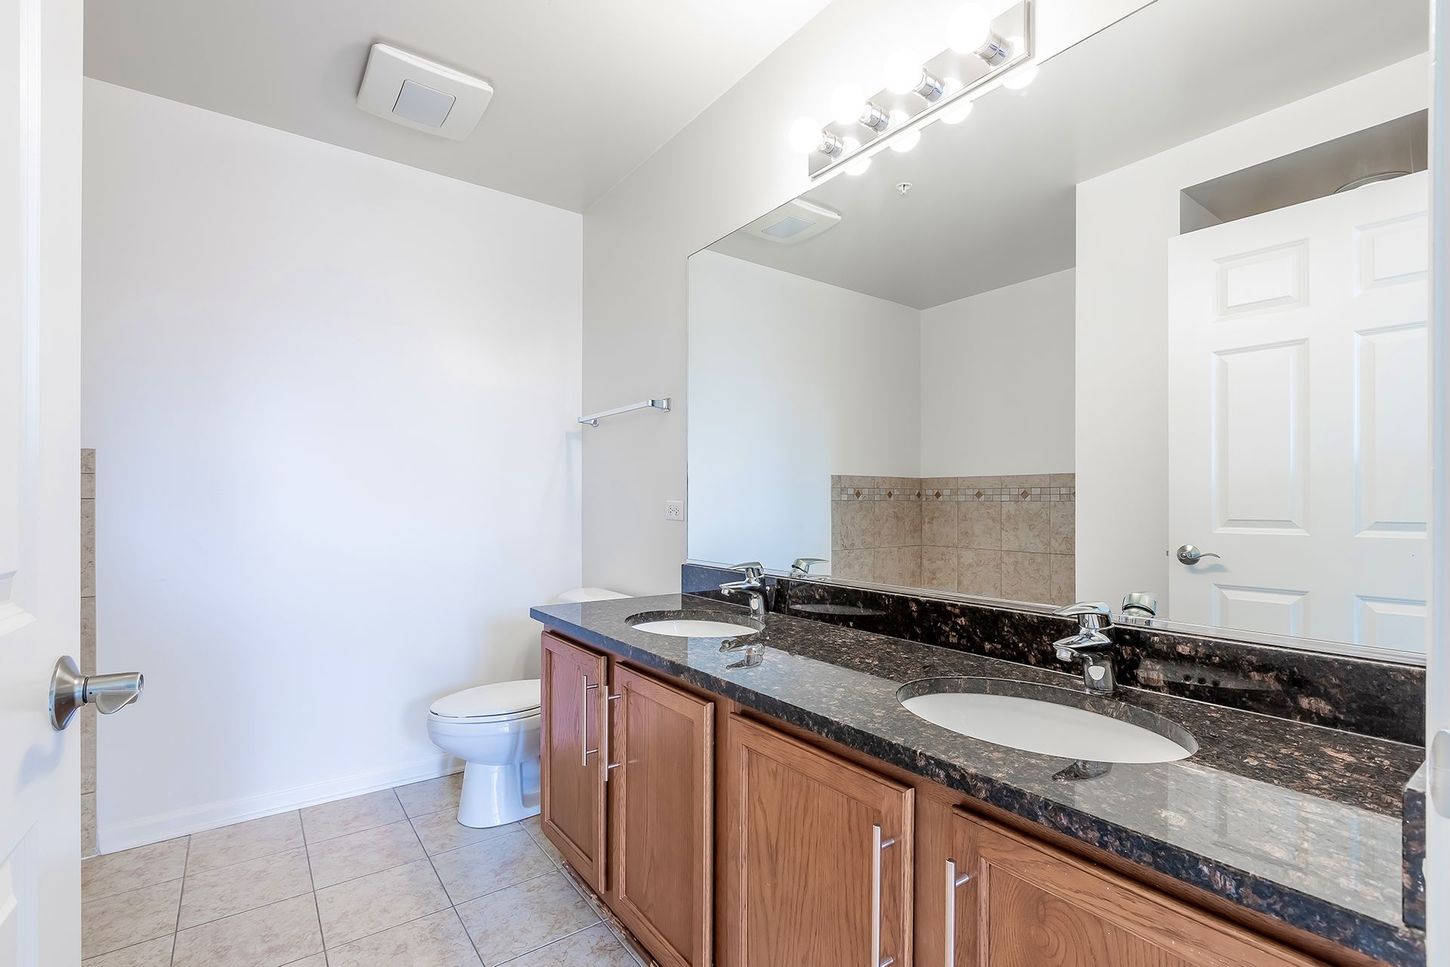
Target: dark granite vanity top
[(1296, 821)]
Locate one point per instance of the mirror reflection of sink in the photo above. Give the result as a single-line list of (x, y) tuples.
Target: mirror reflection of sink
[(1047, 719), (694, 624)]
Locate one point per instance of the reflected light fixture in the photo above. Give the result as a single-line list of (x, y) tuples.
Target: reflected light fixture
[(856, 166), (906, 140), (1020, 78), (957, 111)]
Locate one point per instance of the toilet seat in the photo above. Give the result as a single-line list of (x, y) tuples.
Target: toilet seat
[(498, 702)]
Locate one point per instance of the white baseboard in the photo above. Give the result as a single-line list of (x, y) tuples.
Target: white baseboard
[(153, 829)]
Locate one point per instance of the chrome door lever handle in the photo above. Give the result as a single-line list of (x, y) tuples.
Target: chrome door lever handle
[(69, 690), (1190, 555)]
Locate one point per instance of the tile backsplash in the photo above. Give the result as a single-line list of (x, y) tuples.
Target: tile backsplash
[(1001, 536)]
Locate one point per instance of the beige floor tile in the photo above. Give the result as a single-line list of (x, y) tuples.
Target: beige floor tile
[(152, 953), (421, 798), (358, 854), (594, 947), (270, 936), (133, 868), (376, 902), (491, 865), (333, 819), (520, 918), (536, 831), (631, 946), (125, 919), (244, 841), (441, 831), (244, 886), (434, 941)]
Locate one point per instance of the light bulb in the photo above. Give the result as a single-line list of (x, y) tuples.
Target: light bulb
[(856, 166), (848, 103), (969, 28), (805, 135), (1020, 77), (958, 110), (902, 72), (905, 141)]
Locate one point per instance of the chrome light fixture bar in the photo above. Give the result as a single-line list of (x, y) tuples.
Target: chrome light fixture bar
[(945, 83)]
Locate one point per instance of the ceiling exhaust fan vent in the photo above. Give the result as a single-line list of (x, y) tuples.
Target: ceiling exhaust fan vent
[(419, 94)]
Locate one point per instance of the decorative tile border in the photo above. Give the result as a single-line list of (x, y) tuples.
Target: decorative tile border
[(1027, 487)]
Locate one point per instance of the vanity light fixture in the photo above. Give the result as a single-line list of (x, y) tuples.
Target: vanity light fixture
[(983, 52)]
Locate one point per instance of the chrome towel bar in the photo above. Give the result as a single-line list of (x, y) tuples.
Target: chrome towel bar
[(593, 418)]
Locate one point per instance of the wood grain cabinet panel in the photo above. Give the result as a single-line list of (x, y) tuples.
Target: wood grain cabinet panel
[(1019, 903), (818, 856), (661, 829), (575, 706)]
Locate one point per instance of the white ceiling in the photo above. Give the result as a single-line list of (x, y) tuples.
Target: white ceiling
[(993, 199), (585, 90)]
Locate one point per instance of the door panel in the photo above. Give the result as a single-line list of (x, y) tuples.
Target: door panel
[(1299, 419), (572, 766), (819, 856), (1019, 903), (661, 817), (40, 188)]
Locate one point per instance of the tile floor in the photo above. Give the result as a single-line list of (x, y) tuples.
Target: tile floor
[(389, 879)]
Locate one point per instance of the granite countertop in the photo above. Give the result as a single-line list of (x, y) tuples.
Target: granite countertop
[(1295, 821)]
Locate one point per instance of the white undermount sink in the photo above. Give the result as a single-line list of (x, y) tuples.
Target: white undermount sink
[(1043, 718), (706, 625)]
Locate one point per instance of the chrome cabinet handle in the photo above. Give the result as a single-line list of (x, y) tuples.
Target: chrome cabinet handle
[(1190, 555), (953, 881), (584, 751), (69, 690), (604, 740), (877, 846)]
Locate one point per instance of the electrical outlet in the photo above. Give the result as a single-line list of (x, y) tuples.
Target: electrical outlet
[(674, 510)]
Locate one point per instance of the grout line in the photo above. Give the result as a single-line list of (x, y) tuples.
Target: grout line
[(179, 899)]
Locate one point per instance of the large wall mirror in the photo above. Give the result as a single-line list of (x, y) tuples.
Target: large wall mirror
[(1154, 324)]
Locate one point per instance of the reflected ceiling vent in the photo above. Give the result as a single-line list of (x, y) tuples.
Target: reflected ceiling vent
[(793, 222), (422, 95)]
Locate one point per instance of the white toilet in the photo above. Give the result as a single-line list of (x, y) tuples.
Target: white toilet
[(494, 729)]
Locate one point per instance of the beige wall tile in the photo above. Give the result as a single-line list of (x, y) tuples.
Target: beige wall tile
[(1063, 577), (932, 484), (1062, 480), (979, 571), (1062, 527), (88, 548), (903, 523), (88, 460), (979, 524), (1026, 577), (1025, 526), (1027, 480), (939, 522), (855, 525), (88, 636), (88, 824), (899, 566), (854, 565), (970, 485), (939, 568), (88, 749)]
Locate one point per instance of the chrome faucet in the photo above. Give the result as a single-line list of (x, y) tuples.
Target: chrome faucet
[(801, 567), (751, 588), (1090, 645)]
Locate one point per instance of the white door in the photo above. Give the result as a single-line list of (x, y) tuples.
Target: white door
[(40, 185), (1299, 419)]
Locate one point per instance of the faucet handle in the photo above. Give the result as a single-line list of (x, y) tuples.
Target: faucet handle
[(1090, 615), (754, 570), (801, 567)]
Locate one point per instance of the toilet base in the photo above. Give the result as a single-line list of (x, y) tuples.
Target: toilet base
[(498, 795)]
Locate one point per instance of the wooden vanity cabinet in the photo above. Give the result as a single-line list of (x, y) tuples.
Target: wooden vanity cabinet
[(661, 817), (628, 795), (816, 859), (1014, 902), (575, 705)]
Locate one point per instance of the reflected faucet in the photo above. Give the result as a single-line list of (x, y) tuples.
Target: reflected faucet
[(1090, 645), (752, 587)]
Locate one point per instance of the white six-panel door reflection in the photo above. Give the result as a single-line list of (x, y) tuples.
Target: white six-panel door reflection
[(1299, 421)]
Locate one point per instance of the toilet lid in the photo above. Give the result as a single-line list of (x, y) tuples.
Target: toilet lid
[(499, 700)]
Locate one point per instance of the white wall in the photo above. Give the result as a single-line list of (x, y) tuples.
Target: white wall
[(997, 381), (1124, 221), (791, 380), (333, 404), (731, 164)]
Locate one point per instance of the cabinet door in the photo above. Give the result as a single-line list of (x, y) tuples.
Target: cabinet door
[(819, 857), (661, 787), (1016, 902), (571, 763)]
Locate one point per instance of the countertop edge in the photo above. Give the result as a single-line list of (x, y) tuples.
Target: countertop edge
[(1394, 943)]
